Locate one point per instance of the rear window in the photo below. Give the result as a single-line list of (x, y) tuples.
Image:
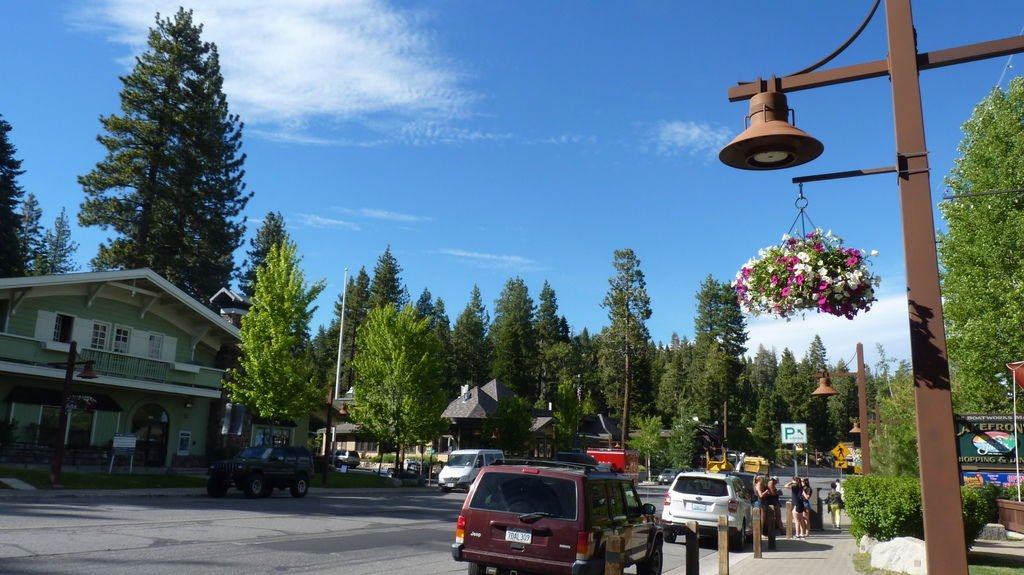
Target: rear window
[(701, 486), (516, 493)]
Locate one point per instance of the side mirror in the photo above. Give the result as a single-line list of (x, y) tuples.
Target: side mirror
[(648, 509)]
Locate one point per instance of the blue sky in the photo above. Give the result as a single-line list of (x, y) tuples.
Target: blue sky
[(487, 140)]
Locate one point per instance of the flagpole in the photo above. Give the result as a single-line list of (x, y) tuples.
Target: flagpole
[(1016, 448), (341, 338)]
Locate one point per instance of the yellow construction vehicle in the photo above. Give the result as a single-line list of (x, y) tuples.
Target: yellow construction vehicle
[(718, 465), (754, 464)]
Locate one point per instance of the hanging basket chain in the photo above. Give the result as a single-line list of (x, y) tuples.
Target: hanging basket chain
[(801, 216)]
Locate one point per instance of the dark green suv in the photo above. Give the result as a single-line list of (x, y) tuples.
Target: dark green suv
[(259, 470)]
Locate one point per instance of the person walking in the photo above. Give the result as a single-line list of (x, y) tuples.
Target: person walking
[(835, 504), (808, 495)]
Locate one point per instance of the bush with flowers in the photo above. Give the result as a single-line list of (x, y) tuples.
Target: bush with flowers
[(811, 273)]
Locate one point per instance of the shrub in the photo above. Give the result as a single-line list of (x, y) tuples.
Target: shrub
[(887, 507), (884, 507)]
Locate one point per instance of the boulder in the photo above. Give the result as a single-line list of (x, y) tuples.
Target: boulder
[(900, 555), (993, 532), (866, 543)]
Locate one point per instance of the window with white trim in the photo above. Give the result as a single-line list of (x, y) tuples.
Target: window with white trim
[(156, 345), (100, 335), (122, 335), (62, 325)]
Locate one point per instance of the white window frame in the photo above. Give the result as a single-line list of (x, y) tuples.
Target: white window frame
[(106, 335), (57, 327), (156, 344), (127, 341)]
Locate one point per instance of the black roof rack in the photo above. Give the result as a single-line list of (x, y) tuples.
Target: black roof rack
[(585, 467)]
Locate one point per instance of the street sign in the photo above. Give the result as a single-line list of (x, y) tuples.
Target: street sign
[(794, 433)]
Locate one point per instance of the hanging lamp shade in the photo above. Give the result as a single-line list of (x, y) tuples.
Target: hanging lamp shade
[(825, 388), (771, 142), (87, 371), (856, 426)]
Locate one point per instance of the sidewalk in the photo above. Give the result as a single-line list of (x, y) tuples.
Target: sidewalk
[(826, 551)]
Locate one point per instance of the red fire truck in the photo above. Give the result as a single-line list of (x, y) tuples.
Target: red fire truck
[(623, 461)]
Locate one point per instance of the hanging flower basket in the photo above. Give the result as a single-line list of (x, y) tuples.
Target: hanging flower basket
[(811, 273)]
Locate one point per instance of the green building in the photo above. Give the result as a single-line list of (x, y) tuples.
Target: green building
[(158, 356)]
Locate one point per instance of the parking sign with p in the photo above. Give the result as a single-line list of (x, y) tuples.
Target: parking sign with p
[(794, 433)]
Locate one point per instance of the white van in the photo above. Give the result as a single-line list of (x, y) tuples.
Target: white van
[(464, 465)]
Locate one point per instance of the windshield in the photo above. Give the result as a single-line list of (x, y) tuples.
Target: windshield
[(462, 460), (254, 452)]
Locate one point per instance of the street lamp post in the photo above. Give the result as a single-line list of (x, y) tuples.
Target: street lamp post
[(940, 493), (825, 389), (62, 425)]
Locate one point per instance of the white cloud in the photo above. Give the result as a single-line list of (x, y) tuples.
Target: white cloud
[(386, 215), (492, 261), (681, 137), (287, 63), (886, 323), (315, 221)]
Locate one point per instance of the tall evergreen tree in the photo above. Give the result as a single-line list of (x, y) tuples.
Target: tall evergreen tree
[(719, 316), (12, 255), (271, 233), (470, 344), (440, 325), (57, 251), (31, 233), (171, 184), (356, 307), (625, 341), (982, 253), (425, 305), (549, 338), (514, 340), (386, 287), (274, 378)]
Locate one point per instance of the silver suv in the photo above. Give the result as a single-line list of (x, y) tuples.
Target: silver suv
[(703, 497)]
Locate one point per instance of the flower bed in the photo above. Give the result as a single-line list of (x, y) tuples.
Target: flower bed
[(813, 273)]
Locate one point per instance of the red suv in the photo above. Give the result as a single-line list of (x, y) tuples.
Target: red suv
[(554, 518)]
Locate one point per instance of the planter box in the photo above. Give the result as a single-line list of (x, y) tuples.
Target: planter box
[(1011, 514)]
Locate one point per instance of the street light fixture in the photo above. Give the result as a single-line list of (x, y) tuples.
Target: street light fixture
[(940, 482), (825, 388), (62, 425), (771, 142)]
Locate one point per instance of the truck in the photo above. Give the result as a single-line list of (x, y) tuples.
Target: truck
[(624, 461)]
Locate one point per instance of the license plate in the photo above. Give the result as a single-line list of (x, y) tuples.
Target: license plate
[(699, 506), (518, 535)]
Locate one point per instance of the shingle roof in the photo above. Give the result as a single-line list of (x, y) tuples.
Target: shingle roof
[(479, 402)]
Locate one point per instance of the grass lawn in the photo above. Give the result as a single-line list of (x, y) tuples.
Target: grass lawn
[(40, 479)]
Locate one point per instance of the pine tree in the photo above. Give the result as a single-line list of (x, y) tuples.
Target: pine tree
[(356, 308), (981, 253), (440, 325), (171, 184), (386, 287), (12, 254), (719, 316), (57, 252), (549, 337), (470, 344), (31, 233), (425, 305), (270, 234), (625, 342), (514, 341), (275, 379)]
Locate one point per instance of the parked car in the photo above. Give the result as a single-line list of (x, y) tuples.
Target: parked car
[(550, 517), (346, 457), (703, 497), (259, 470), (464, 465), (667, 475)]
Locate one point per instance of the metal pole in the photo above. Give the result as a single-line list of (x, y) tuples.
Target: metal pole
[(862, 409), (341, 339), (940, 481), (62, 425), (1016, 448)]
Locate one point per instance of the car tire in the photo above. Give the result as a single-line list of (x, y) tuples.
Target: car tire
[(670, 537), (474, 569), (653, 564), (255, 486), (446, 490), (300, 487), (738, 539), (216, 487)]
